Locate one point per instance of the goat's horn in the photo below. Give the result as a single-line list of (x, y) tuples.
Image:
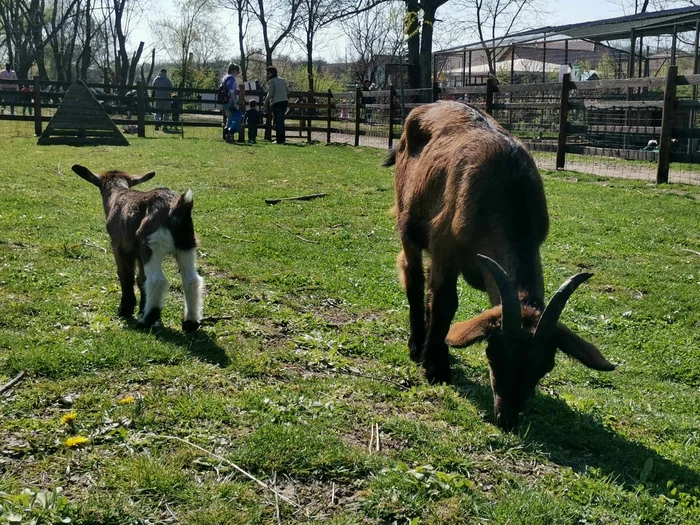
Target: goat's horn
[(556, 305), (510, 302)]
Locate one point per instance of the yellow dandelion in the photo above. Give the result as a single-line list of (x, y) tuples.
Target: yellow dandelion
[(69, 418), (75, 441), (126, 400)]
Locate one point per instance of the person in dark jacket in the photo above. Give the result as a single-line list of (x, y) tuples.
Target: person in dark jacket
[(252, 120), (162, 86)]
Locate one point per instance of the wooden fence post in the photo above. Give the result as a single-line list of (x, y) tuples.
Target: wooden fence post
[(392, 111), (436, 92), (329, 116), (310, 113), (358, 110), (141, 108), (490, 88), (563, 117), (37, 107), (667, 126)]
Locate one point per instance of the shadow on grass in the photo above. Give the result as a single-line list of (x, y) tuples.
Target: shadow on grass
[(580, 441), (199, 343)]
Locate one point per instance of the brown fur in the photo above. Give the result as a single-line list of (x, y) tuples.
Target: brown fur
[(464, 186)]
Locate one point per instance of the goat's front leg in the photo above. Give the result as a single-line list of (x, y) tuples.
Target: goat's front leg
[(141, 283), (410, 267), (156, 286), (442, 307), (125, 271), (192, 285)]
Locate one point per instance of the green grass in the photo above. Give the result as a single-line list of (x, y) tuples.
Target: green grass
[(310, 351)]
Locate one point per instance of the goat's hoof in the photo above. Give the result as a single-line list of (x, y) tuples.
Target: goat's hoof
[(437, 374), (415, 354), (126, 313), (190, 326)]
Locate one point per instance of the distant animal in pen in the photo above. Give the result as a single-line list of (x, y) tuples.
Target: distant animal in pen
[(470, 195), (145, 228)]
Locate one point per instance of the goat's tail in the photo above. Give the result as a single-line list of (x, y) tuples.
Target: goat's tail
[(390, 159), (181, 224)]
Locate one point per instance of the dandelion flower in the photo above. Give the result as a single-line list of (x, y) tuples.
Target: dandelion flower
[(69, 418), (75, 441), (126, 400)]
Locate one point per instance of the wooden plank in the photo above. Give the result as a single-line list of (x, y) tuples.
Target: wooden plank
[(628, 130), (553, 106), (623, 83), (313, 129), (546, 87), (688, 80), (468, 90), (617, 104), (75, 141), (304, 105)]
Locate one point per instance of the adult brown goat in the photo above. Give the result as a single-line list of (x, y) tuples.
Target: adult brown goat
[(469, 194)]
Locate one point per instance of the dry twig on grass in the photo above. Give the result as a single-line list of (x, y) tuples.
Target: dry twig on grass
[(231, 464), (299, 198), (7, 386)]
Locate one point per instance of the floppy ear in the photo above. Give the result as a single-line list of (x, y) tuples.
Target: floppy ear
[(475, 329), (86, 174), (133, 181), (580, 349)]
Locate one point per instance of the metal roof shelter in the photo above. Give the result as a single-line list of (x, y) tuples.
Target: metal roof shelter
[(622, 38)]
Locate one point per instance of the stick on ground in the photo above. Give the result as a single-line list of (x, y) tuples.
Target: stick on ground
[(299, 198), (7, 386)]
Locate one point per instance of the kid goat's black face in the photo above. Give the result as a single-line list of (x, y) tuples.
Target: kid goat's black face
[(522, 343), (111, 176)]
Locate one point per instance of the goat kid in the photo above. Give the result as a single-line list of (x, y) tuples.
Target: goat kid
[(469, 194), (146, 227)]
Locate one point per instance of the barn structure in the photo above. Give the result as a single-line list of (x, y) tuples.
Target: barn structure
[(640, 45)]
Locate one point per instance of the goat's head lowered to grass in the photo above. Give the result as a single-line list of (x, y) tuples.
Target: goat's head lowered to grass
[(522, 343)]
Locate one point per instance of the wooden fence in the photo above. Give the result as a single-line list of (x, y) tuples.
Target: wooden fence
[(604, 118)]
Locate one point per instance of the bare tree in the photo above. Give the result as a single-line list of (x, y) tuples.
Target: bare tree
[(242, 10), (277, 18), (494, 20), (27, 33), (373, 36), (190, 36)]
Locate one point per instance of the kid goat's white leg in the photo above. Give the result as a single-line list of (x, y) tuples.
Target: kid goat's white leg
[(156, 285), (192, 285)]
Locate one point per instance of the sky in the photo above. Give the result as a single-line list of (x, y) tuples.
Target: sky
[(555, 12)]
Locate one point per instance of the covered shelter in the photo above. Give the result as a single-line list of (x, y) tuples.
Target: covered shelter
[(640, 45)]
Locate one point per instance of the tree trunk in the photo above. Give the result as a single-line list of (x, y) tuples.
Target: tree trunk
[(310, 59), (426, 47), (87, 52), (241, 43), (413, 39)]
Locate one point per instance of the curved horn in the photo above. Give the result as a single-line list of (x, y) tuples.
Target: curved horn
[(510, 302), (556, 305)]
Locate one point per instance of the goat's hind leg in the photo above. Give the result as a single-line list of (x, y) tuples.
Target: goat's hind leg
[(442, 307), (410, 268), (192, 285), (156, 286), (125, 271)]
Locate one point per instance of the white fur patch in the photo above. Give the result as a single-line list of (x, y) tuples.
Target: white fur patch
[(192, 284), (161, 244), (189, 196)]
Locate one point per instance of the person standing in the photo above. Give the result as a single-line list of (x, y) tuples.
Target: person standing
[(9, 91), (278, 99), (252, 120), (26, 95), (231, 106), (162, 87)]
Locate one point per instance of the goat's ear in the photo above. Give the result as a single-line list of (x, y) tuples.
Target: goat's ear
[(580, 349), (475, 329), (185, 201), (133, 181), (86, 174)]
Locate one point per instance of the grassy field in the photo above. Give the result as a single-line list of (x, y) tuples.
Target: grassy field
[(305, 353)]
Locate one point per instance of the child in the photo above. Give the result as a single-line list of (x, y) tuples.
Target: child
[(27, 100), (175, 107), (252, 120)]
